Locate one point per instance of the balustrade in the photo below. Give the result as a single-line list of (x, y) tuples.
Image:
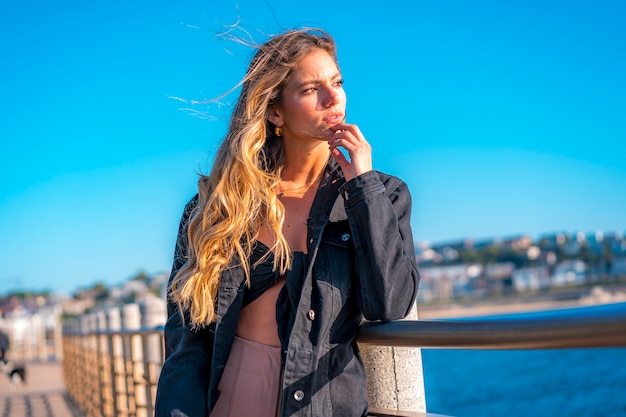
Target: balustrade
[(112, 371)]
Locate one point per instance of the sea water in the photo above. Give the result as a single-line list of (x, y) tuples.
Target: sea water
[(516, 383)]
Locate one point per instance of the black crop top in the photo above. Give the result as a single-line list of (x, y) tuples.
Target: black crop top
[(262, 276)]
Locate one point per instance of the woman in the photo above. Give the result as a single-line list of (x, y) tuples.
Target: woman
[(285, 249)]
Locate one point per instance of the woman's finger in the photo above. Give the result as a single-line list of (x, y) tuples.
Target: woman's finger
[(350, 138)]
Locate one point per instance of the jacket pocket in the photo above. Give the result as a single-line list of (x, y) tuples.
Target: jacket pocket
[(336, 266)]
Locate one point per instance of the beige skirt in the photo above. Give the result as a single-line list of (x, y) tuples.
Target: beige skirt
[(250, 385)]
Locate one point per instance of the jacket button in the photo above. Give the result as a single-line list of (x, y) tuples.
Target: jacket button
[(311, 315), (298, 395), (345, 237)]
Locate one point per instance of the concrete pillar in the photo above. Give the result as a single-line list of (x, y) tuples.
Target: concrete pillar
[(93, 322), (114, 319), (58, 334), (133, 352), (106, 372), (101, 321), (38, 345), (118, 368), (153, 314), (131, 317), (395, 380), (84, 324)]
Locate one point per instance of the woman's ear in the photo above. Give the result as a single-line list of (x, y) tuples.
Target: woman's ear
[(274, 117)]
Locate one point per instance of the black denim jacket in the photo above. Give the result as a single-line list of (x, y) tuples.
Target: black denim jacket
[(361, 265)]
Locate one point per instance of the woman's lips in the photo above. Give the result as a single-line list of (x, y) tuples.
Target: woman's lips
[(334, 118)]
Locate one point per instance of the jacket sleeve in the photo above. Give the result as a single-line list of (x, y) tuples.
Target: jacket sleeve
[(183, 385), (379, 216)]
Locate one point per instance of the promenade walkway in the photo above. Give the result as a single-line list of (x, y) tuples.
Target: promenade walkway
[(43, 394)]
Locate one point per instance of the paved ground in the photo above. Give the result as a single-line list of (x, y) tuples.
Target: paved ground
[(42, 394)]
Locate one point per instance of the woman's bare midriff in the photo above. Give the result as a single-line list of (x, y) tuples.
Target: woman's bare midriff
[(257, 320)]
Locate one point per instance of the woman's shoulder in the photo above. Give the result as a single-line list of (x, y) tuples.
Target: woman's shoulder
[(190, 207), (391, 182), (192, 203), (373, 181)]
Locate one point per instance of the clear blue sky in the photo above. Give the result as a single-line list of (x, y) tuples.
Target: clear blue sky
[(503, 118)]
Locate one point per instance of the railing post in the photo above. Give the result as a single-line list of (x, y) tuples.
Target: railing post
[(153, 314), (82, 375), (95, 374), (107, 397), (58, 337), (118, 374), (38, 335), (131, 318), (71, 357), (395, 380)]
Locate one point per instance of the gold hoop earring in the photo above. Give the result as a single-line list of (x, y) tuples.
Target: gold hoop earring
[(278, 131)]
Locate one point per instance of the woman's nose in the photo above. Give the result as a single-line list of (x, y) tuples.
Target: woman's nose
[(331, 98)]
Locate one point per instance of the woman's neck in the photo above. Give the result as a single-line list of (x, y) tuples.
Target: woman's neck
[(304, 164)]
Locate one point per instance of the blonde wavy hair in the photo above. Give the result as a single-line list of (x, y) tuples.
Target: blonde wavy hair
[(239, 194)]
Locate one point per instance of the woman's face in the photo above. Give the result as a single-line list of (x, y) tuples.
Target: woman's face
[(312, 100)]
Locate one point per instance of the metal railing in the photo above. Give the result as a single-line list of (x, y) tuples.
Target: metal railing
[(581, 328), (114, 373), (34, 337)]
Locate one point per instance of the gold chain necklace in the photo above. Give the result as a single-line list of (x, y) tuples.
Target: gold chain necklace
[(282, 191)]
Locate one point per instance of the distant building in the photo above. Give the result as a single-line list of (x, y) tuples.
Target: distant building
[(448, 282), (531, 278), (618, 266), (570, 272)]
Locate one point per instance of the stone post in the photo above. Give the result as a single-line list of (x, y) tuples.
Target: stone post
[(131, 317), (131, 320), (395, 380), (118, 374), (114, 319), (153, 314), (106, 368)]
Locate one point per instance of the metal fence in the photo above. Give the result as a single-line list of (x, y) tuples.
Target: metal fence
[(114, 373), (35, 337), (576, 328)]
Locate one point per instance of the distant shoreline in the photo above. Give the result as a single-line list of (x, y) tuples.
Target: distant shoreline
[(458, 308)]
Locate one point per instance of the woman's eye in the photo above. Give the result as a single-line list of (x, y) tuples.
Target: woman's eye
[(309, 90), (339, 83)]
